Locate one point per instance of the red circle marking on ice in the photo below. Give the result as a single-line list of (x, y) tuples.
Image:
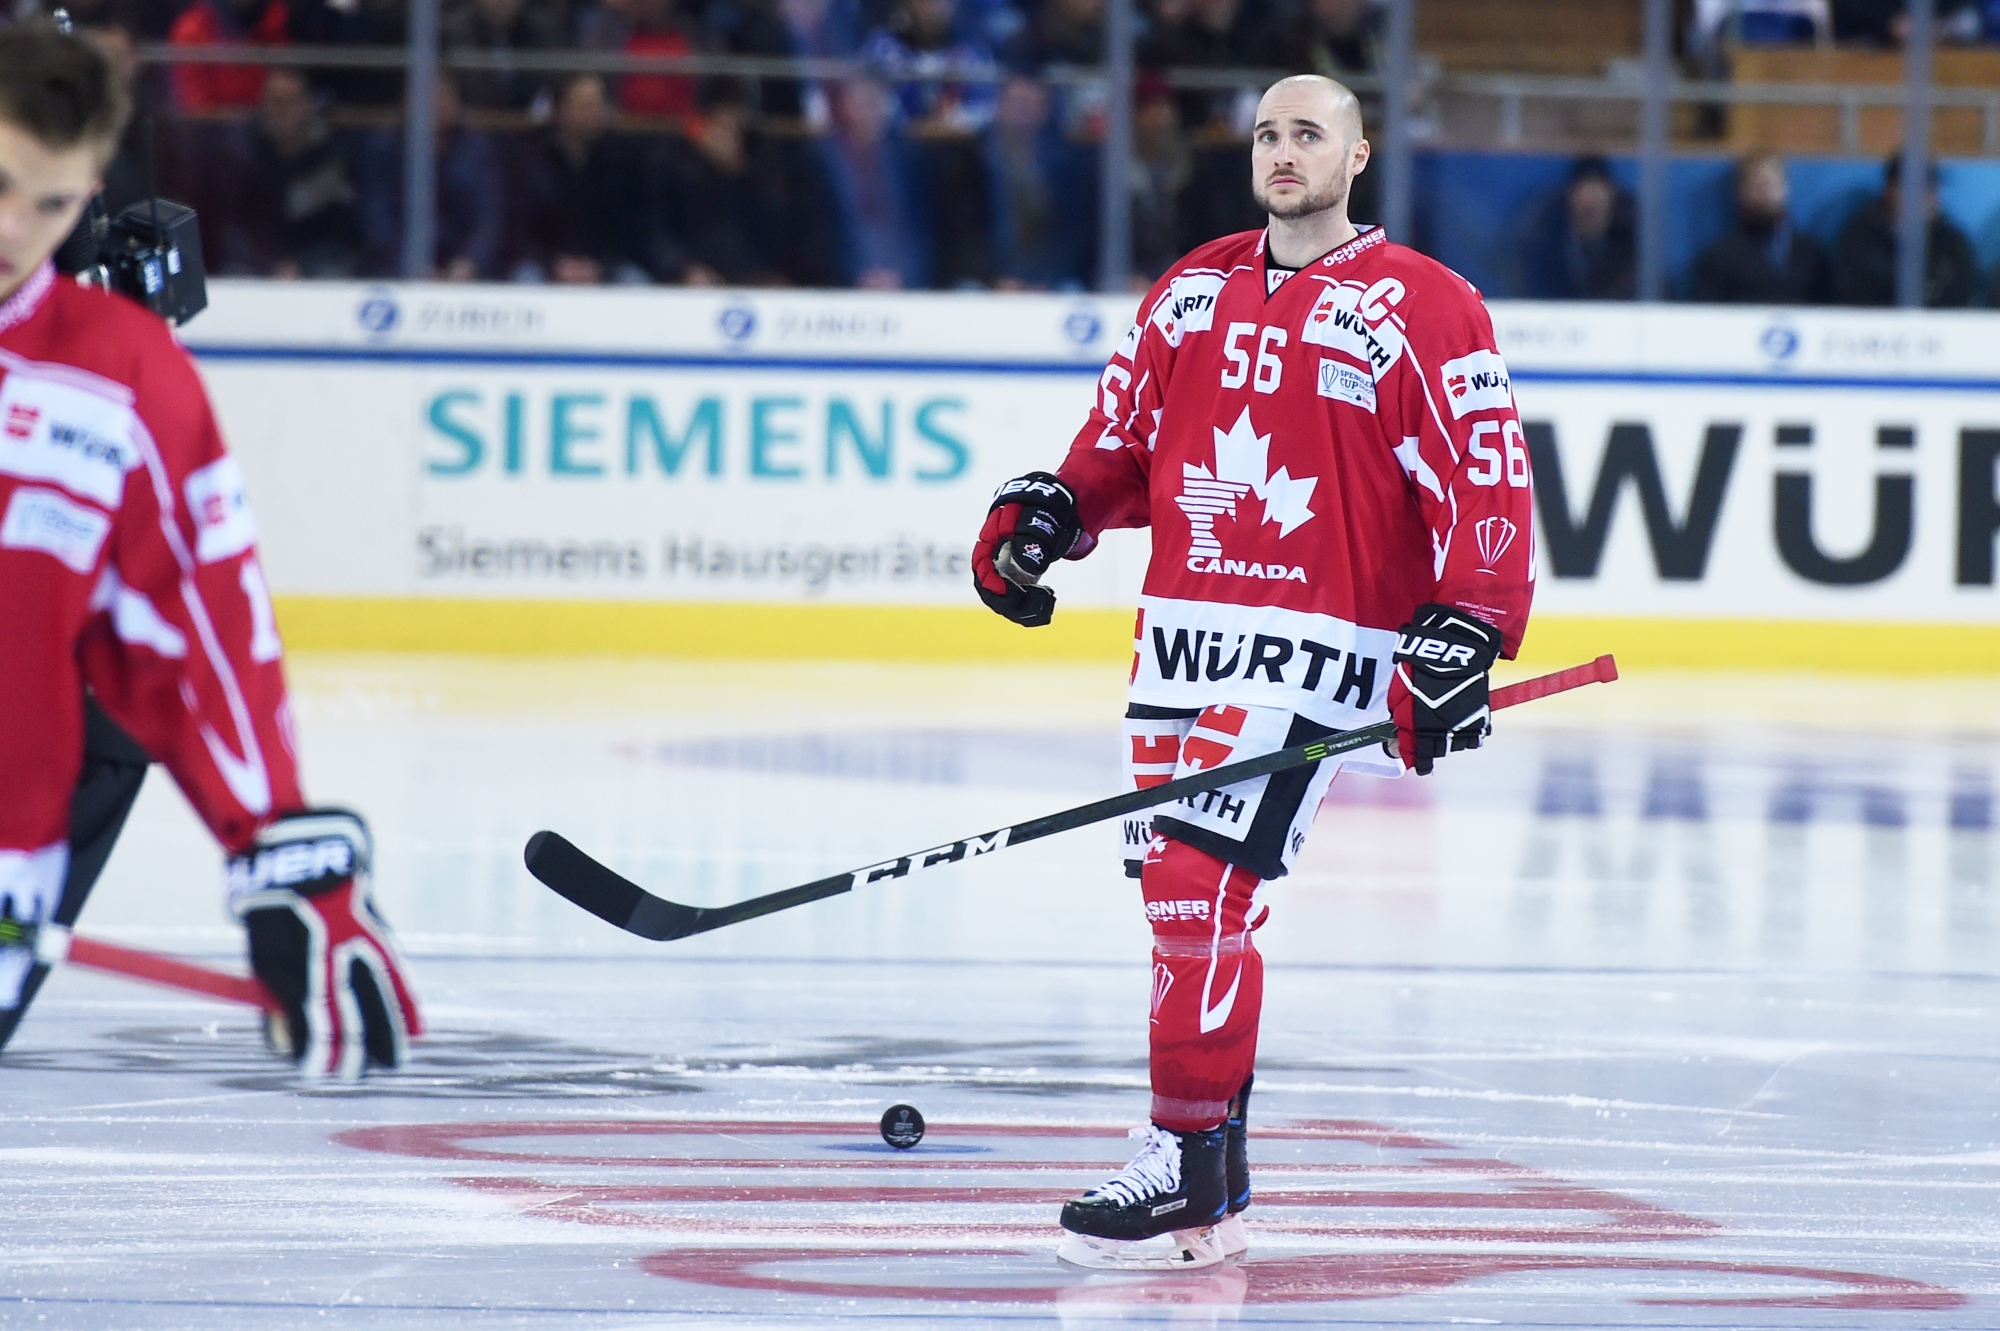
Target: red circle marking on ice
[(447, 1141), (892, 1180), (1320, 1279)]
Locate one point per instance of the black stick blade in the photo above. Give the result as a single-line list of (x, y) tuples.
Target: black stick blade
[(570, 873)]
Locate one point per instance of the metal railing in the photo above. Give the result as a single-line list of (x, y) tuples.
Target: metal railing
[(1511, 91), (1655, 90)]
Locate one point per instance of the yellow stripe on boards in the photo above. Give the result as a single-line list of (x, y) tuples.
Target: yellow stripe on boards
[(697, 630), (1819, 645), (708, 630)]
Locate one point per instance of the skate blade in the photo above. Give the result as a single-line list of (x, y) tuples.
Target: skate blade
[(1182, 1250), (1229, 1236)]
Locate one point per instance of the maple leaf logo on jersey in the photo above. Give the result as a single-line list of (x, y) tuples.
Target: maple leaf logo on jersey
[(1493, 536), (1242, 461)]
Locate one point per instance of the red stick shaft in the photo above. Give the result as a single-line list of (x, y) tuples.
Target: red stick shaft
[(1601, 671), (171, 972)]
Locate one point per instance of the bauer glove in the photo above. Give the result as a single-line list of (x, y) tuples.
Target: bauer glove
[(1030, 524), (1438, 693), (319, 946)]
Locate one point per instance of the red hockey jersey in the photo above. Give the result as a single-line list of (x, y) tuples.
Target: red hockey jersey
[(1314, 463), (127, 561)]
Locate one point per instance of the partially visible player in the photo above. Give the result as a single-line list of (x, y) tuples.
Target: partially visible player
[(1320, 432), (128, 566)]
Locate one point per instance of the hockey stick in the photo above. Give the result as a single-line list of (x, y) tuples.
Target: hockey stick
[(615, 900), (55, 945)]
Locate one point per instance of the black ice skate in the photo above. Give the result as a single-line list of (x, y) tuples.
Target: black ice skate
[(1159, 1213)]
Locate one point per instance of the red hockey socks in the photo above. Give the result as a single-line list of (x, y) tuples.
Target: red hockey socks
[(1208, 982)]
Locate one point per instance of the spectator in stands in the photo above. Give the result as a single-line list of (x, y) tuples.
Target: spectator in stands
[(579, 195), (225, 23), (1201, 34), (658, 29), (285, 204), (878, 190), (722, 198), (140, 18), (497, 27), (471, 196), (921, 47), (1864, 260), (1061, 32), (1763, 258), (1887, 22), (1040, 187), (352, 23), (806, 28), (1217, 200), (1589, 247), (129, 174), (1330, 37), (1715, 25), (642, 27), (1162, 166), (823, 28), (758, 28)]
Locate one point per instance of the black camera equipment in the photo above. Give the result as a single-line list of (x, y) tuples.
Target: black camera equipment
[(151, 252)]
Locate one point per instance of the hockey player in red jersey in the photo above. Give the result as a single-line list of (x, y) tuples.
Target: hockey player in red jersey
[(1318, 429), (128, 566)]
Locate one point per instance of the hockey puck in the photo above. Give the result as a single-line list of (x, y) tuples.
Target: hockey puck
[(902, 1127)]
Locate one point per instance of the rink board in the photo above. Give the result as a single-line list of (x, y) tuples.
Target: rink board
[(797, 475)]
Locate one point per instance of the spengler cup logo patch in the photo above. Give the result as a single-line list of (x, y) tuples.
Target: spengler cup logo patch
[(1242, 470)]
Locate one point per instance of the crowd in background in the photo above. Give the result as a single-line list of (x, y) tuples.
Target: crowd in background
[(905, 177), (1588, 247), (966, 157)]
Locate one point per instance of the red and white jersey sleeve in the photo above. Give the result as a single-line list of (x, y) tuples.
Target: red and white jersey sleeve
[(1461, 445), (128, 561), (1110, 461), (1315, 460)]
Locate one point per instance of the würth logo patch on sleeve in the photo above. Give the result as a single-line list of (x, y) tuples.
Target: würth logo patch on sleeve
[(1476, 382)]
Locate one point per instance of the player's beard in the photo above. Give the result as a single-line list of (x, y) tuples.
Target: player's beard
[(1330, 195)]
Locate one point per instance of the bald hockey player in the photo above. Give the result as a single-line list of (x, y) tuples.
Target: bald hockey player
[(128, 567), (1318, 429)]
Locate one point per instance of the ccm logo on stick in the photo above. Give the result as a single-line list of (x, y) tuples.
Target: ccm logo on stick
[(930, 859)]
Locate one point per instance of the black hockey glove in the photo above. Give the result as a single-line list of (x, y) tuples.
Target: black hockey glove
[(1031, 523), (319, 946), (1438, 693)]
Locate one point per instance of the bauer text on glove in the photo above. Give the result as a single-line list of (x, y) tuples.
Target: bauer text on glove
[(1030, 524), (1438, 693), (319, 945)]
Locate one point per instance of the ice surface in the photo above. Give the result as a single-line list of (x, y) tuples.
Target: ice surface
[(1677, 1007)]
